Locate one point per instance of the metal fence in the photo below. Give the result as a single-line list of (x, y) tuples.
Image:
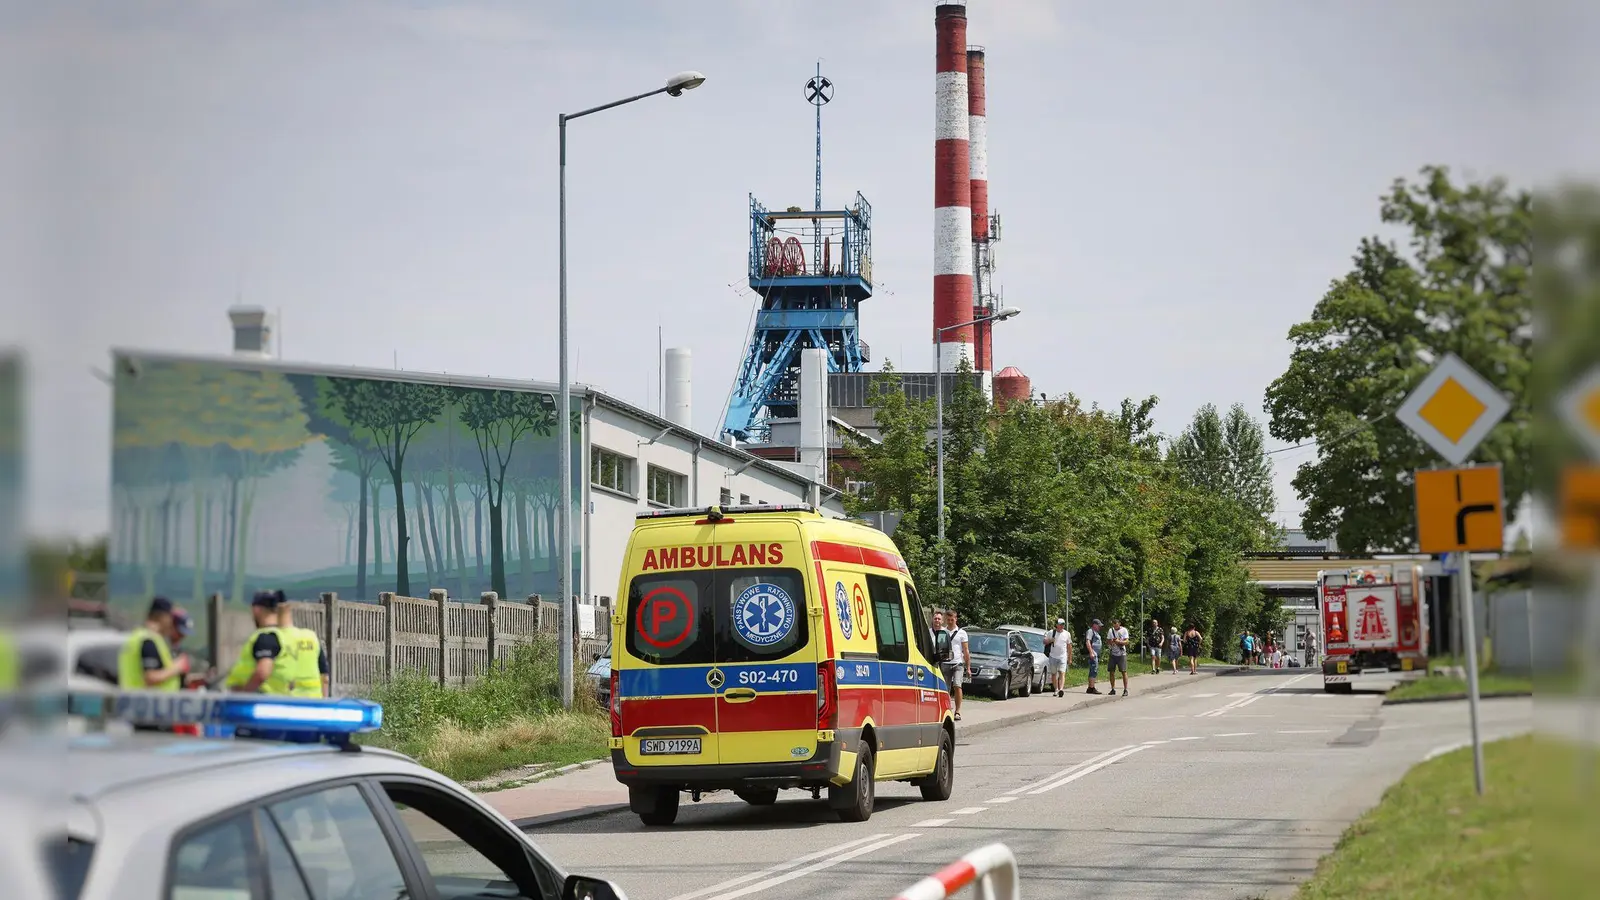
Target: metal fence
[(451, 640)]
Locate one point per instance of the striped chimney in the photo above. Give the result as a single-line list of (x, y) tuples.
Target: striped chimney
[(952, 190), (978, 151)]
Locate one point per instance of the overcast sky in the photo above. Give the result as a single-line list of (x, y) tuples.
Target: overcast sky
[(1178, 182)]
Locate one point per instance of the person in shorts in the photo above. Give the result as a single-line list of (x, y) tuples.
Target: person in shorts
[(1119, 655), (1174, 648), (1092, 641), (1060, 657), (960, 665)]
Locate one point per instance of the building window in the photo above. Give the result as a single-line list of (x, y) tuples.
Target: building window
[(725, 498), (612, 471), (666, 488)]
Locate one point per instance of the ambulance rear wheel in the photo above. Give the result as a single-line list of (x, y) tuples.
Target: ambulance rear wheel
[(938, 785), (853, 802), (758, 796), (666, 807)]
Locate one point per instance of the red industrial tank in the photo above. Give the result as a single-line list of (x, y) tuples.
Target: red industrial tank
[(1011, 385)]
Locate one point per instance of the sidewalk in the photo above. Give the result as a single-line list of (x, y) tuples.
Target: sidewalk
[(594, 790)]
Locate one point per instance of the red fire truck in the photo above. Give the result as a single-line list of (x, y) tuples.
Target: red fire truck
[(1374, 620)]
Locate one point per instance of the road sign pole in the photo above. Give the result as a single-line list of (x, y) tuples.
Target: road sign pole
[(1469, 635)]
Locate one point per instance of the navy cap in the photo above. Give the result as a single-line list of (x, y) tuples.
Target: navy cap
[(160, 605), (267, 599)]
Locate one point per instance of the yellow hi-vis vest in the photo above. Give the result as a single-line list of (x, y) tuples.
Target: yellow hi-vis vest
[(130, 667), (306, 678), (10, 664), (282, 665)]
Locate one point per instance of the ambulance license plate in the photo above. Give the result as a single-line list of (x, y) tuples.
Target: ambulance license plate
[(669, 746)]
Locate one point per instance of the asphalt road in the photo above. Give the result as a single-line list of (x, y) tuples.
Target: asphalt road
[(1228, 788)]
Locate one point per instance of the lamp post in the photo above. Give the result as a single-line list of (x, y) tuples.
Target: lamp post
[(938, 390), (675, 86)]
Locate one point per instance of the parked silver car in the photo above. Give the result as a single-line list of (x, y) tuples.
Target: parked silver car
[(1034, 638), (600, 676)]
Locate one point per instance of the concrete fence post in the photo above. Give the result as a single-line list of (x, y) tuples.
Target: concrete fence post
[(214, 631), (492, 601), (330, 638), (442, 597), (386, 600)]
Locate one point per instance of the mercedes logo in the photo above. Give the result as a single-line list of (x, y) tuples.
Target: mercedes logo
[(819, 91), (714, 678)]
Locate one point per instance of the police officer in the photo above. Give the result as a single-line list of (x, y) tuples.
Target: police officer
[(147, 661), (266, 662), (310, 678)]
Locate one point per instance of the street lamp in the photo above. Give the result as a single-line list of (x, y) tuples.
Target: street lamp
[(675, 86), (1000, 315)]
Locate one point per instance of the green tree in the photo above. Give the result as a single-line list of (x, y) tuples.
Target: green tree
[(1463, 287), (1227, 457), (390, 414), (498, 420), (354, 451)]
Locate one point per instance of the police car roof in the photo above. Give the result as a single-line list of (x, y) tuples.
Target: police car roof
[(104, 763)]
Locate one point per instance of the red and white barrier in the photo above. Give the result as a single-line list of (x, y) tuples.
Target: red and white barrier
[(992, 870)]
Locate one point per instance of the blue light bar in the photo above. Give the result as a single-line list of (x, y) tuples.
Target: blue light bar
[(248, 715)]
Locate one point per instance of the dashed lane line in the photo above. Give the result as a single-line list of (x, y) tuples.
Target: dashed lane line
[(932, 823), (781, 867), (1088, 770), (1068, 770), (1001, 800), (971, 811), (829, 863), (1237, 734)]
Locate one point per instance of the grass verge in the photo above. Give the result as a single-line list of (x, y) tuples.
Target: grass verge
[(506, 720), (1439, 687), (1433, 837)]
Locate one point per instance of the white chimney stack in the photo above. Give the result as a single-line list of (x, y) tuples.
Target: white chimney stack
[(252, 332), (814, 411), (677, 401)]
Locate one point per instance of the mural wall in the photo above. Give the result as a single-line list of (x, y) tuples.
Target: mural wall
[(231, 478)]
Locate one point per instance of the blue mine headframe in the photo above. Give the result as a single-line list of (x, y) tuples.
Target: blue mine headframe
[(804, 303)]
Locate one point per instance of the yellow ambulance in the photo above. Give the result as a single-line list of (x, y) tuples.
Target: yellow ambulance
[(761, 648)]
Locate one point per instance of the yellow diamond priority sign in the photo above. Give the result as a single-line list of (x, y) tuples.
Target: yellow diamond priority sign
[(1580, 407), (1454, 409)]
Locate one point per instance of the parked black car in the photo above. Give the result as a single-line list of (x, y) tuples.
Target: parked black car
[(1002, 664)]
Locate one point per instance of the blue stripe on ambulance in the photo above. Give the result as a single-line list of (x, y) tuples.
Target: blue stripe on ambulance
[(690, 681)]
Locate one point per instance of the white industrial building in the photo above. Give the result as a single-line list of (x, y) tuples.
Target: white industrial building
[(638, 461)]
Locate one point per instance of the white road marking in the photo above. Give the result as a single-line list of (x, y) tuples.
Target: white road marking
[(1190, 738), (932, 823), (1239, 694), (1238, 734), (1088, 770), (1310, 731), (810, 869), (1247, 699), (1203, 696), (1068, 770), (1153, 743), (971, 810), (781, 867), (1001, 800)]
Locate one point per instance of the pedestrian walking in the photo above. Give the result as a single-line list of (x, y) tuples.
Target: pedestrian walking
[(1060, 657), (1156, 640), (1311, 647), (1247, 646), (1174, 648), (1191, 648), (1119, 655), (1091, 640), (960, 660)]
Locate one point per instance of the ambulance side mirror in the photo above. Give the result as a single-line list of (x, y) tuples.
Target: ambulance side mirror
[(580, 887)]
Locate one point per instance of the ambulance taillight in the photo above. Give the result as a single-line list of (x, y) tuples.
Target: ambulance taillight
[(827, 697)]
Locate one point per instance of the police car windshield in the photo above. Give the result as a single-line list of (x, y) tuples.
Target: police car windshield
[(716, 615)]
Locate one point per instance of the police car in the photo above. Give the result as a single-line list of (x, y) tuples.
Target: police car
[(275, 802)]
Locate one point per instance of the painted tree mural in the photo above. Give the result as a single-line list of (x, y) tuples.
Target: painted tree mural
[(230, 478)]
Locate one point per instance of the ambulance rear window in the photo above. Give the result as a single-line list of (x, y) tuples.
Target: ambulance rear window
[(716, 616)]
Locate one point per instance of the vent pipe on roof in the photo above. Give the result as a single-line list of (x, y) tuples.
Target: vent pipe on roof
[(252, 331), (677, 401)]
